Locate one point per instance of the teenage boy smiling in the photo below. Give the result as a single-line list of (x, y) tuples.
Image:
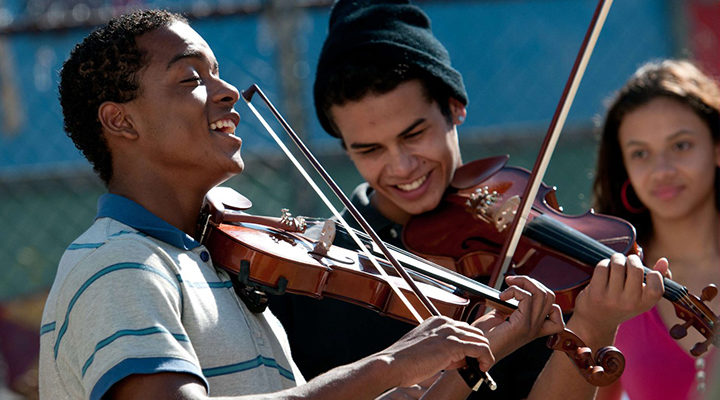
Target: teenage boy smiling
[(386, 88), (137, 309)]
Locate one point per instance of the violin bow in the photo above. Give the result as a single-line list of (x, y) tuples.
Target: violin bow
[(471, 372), (548, 146), (247, 95)]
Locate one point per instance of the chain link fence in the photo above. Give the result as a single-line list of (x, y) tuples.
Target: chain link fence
[(515, 56)]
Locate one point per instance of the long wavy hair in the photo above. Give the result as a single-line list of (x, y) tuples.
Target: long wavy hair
[(680, 80)]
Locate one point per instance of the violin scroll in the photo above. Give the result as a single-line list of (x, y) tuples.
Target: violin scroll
[(695, 312), (606, 368)]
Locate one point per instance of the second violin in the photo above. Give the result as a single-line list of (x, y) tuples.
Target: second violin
[(468, 228)]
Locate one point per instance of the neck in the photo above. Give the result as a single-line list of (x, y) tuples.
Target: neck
[(178, 206), (388, 209), (687, 239)]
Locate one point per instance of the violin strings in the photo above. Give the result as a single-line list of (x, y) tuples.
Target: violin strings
[(395, 249), (676, 293), (709, 319), (413, 256), (598, 252), (434, 271), (545, 233)]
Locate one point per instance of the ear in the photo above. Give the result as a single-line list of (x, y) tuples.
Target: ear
[(115, 120), (458, 111)]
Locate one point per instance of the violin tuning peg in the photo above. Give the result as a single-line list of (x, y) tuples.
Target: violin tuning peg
[(679, 331), (699, 348), (709, 292)]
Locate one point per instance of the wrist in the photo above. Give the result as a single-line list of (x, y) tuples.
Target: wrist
[(366, 378), (594, 333), (450, 385), (378, 368)]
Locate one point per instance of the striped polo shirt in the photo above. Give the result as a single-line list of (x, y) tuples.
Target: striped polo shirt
[(135, 295)]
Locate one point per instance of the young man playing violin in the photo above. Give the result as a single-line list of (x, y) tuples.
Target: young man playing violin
[(386, 88), (138, 310)]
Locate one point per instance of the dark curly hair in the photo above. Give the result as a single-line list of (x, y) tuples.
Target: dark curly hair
[(104, 67), (675, 79)]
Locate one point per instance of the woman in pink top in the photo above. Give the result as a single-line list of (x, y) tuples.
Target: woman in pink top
[(658, 166)]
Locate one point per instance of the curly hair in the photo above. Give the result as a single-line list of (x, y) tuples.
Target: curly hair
[(104, 67), (680, 80)]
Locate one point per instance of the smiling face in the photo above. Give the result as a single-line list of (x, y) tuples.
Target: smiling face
[(403, 146), (670, 158), (183, 116)]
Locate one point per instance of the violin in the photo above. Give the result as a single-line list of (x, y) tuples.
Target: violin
[(272, 255), (609, 362), (468, 228)]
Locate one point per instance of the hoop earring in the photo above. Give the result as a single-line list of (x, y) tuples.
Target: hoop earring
[(626, 202)]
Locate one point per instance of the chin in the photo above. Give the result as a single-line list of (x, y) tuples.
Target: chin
[(238, 165), (418, 209)]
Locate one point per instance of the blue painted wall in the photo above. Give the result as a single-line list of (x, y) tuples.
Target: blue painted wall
[(515, 57)]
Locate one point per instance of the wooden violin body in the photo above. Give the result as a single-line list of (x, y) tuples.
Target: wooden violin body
[(468, 228), (283, 259), (340, 273)]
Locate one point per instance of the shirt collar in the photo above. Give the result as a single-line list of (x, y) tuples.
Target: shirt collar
[(133, 214)]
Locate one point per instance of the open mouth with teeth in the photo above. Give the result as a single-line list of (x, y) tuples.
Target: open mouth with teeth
[(224, 126), (412, 185)]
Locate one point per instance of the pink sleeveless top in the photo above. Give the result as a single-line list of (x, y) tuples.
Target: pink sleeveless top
[(655, 366)]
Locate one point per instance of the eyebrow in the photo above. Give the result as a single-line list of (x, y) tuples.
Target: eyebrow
[(402, 133), (680, 133), (190, 53)]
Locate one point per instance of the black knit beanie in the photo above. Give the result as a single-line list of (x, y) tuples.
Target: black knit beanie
[(393, 31)]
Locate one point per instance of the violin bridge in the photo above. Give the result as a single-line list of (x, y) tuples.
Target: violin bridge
[(327, 236), (505, 214)]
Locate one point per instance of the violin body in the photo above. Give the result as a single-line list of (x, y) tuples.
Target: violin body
[(466, 231), (289, 262)]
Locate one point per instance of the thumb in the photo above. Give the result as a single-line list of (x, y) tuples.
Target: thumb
[(662, 265)]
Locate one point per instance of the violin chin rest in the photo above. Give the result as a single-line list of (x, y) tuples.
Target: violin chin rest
[(475, 172), (229, 198)]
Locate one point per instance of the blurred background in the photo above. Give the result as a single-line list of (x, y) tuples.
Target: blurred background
[(515, 56)]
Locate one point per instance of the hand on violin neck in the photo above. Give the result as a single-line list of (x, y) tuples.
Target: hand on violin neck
[(439, 343), (537, 315), (618, 290)]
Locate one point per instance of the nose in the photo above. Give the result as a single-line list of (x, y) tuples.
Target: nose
[(663, 166), (401, 163), (226, 93)]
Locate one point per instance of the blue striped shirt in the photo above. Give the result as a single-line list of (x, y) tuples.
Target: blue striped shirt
[(132, 295)]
